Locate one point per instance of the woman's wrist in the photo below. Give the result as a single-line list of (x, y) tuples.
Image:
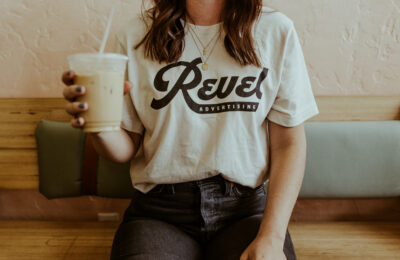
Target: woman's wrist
[(272, 237)]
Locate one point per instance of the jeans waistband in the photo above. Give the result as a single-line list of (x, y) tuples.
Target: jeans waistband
[(192, 185)]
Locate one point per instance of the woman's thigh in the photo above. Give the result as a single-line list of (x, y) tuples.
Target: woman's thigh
[(151, 239), (230, 242)]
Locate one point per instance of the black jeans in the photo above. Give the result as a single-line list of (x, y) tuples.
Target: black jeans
[(211, 218)]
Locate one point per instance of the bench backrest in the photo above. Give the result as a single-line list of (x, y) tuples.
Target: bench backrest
[(20, 116)]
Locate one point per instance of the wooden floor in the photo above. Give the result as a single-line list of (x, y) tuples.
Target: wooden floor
[(346, 240), (92, 240)]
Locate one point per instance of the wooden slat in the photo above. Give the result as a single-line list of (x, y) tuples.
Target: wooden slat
[(19, 182), (93, 240), (357, 108), (32, 109), (17, 157), (19, 169), (19, 118), (18, 135)]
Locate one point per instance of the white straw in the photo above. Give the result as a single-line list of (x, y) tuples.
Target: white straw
[(105, 37)]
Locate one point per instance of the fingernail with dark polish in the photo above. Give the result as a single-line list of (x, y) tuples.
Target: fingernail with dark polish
[(79, 89), (78, 121), (81, 105)]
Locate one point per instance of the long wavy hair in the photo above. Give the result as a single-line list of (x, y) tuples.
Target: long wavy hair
[(164, 40)]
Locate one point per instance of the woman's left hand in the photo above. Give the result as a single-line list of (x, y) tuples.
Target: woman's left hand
[(263, 248)]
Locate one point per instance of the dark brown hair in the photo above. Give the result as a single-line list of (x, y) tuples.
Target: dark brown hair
[(164, 38)]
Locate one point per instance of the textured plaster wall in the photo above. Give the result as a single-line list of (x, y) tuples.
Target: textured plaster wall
[(352, 47)]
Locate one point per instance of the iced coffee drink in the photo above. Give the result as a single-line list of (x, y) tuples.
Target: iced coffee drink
[(103, 76)]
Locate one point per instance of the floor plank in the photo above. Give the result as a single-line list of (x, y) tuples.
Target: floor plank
[(346, 240), (92, 240), (56, 240)]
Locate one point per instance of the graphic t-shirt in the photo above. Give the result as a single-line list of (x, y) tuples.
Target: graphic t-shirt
[(198, 123)]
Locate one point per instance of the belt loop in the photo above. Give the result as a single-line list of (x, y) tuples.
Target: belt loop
[(172, 188), (228, 186)]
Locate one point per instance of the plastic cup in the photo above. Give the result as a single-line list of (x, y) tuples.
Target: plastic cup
[(103, 76)]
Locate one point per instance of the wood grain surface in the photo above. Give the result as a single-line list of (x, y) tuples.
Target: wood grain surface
[(92, 240)]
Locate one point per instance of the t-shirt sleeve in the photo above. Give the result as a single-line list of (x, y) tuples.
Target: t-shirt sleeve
[(294, 102), (130, 119)]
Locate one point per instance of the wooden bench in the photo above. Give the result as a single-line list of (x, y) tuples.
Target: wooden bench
[(36, 228)]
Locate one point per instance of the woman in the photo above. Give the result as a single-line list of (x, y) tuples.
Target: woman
[(207, 78)]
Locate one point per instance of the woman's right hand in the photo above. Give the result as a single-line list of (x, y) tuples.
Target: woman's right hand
[(71, 91)]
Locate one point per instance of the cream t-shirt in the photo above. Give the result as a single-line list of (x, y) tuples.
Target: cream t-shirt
[(199, 123)]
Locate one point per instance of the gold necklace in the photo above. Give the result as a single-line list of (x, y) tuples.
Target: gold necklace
[(201, 43), (198, 38), (205, 65)]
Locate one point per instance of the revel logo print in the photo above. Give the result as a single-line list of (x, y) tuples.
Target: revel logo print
[(243, 89)]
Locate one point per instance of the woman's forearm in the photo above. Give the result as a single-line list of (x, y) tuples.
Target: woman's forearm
[(286, 175), (115, 146)]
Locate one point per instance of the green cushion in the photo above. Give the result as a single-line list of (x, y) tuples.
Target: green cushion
[(352, 160), (60, 153), (344, 160), (60, 150)]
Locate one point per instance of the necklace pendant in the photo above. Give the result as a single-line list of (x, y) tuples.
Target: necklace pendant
[(204, 51), (204, 66)]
